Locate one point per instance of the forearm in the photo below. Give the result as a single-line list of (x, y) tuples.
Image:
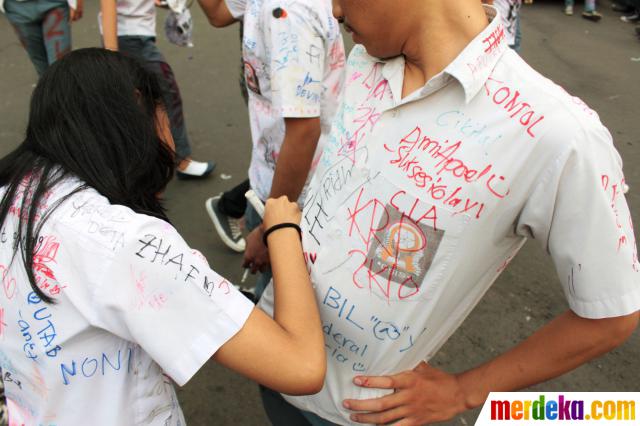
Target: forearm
[(109, 24), (295, 304), (294, 161), (286, 353), (217, 12), (560, 346)]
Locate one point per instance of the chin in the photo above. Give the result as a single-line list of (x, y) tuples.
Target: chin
[(381, 53)]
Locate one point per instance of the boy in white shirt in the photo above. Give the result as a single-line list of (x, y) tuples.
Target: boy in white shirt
[(447, 152)]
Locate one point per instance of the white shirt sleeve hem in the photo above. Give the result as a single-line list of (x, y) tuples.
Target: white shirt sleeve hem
[(607, 308), (208, 343)]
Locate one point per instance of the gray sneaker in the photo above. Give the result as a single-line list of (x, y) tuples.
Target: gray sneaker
[(229, 229)]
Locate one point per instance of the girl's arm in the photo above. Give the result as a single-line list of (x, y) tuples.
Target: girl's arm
[(286, 353)]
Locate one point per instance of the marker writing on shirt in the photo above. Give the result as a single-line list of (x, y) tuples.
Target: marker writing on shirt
[(155, 250), (336, 55), (396, 235), (46, 333), (8, 283), (45, 253), (102, 364), (615, 191), (349, 142), (509, 99)]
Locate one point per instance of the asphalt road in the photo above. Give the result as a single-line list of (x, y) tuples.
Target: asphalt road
[(599, 62)]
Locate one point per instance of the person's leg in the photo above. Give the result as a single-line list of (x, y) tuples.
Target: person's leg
[(173, 101), (226, 211), (56, 30), (233, 202), (568, 7), (517, 43), (26, 23), (145, 49), (590, 11)]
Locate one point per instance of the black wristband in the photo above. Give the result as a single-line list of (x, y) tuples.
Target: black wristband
[(280, 226)]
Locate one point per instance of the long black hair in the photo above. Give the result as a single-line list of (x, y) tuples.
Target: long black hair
[(93, 116)]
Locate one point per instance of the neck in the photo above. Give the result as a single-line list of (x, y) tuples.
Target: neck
[(444, 30)]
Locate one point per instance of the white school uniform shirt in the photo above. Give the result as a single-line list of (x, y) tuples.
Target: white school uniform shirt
[(294, 67), (418, 204), (509, 10), (135, 310), (135, 18)]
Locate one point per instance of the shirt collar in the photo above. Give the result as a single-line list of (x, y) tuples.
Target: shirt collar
[(473, 66)]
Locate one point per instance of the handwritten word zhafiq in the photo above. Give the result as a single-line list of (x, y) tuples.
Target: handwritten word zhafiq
[(155, 250)]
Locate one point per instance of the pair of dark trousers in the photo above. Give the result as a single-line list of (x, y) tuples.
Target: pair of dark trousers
[(281, 413), (233, 202), (43, 29), (145, 50)]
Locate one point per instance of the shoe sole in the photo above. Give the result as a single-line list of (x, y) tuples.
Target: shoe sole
[(237, 247), (186, 176)]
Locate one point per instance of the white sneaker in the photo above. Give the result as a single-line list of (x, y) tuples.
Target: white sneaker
[(568, 10)]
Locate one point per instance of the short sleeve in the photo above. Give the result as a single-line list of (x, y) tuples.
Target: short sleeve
[(236, 7), (160, 294), (298, 55), (579, 213)]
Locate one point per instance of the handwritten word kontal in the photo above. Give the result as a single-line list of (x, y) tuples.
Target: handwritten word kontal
[(155, 250), (509, 99), (415, 155)]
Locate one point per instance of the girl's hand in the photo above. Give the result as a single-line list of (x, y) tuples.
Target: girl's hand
[(280, 210)]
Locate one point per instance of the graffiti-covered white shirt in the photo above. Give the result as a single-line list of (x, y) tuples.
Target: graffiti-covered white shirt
[(419, 203), (135, 309), (134, 18), (294, 65)]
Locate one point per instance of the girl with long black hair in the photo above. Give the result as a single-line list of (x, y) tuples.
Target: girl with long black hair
[(103, 305)]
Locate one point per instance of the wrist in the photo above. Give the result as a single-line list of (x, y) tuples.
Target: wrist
[(281, 228), (469, 394)]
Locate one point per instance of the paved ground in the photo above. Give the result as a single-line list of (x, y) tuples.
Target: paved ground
[(593, 61)]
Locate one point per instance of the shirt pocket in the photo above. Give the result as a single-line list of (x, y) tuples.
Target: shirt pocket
[(392, 243)]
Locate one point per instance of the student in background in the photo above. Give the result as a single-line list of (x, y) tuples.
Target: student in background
[(130, 27), (294, 69), (43, 27), (589, 11), (510, 13)]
